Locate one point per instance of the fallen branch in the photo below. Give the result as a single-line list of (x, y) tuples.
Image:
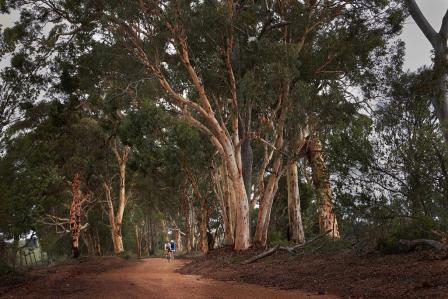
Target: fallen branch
[(290, 249), (411, 244), (262, 255), (300, 246)]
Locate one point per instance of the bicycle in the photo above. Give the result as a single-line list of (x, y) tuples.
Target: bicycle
[(169, 255)]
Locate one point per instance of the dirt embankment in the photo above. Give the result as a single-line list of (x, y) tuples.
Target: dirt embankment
[(415, 275)]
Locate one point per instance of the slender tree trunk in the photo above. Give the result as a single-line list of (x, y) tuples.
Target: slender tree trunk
[(114, 230), (97, 243), (264, 211), (230, 203), (138, 240), (187, 214), (151, 238), (178, 239), (116, 219), (191, 237), (440, 99), (221, 189), (247, 161), (268, 194), (88, 242), (297, 233), (321, 181), (148, 235), (203, 242), (15, 250), (75, 215)]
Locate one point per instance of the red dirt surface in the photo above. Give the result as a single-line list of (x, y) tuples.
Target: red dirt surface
[(118, 278), (415, 275)]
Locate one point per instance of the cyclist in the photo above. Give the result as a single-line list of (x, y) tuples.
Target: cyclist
[(168, 250), (172, 248)]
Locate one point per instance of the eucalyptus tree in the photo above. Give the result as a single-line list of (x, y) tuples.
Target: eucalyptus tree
[(439, 42), (392, 177), (416, 162), (176, 159), (321, 62), (206, 56)]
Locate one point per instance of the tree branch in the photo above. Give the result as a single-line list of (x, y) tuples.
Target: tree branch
[(422, 22), (444, 28)]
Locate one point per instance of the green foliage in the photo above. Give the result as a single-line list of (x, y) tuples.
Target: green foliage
[(76, 87), (420, 228)]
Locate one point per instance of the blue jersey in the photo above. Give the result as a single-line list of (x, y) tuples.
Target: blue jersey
[(173, 246)]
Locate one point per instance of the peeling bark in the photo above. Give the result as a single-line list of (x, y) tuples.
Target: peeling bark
[(321, 181), (75, 215)]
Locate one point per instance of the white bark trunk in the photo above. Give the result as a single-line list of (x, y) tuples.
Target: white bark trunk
[(116, 219), (264, 211), (294, 212), (222, 192)]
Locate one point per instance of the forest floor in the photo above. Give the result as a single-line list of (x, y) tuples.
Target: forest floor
[(342, 273), (113, 277)]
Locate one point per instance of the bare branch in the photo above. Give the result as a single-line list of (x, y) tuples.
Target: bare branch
[(422, 22)]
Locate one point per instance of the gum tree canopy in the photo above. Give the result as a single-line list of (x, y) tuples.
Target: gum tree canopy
[(252, 76)]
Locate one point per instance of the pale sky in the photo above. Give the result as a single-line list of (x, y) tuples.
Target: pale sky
[(418, 48)]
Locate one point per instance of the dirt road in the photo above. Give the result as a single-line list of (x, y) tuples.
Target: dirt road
[(149, 278)]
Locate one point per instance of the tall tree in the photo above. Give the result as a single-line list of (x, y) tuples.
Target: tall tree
[(439, 42)]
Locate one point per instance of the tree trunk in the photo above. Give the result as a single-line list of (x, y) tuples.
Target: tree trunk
[(268, 194), (187, 228), (116, 220), (264, 211), (297, 233), (151, 238), (122, 160), (321, 181), (178, 239), (114, 230), (440, 99), (117, 239), (88, 242), (240, 208), (247, 161), (221, 189), (191, 237), (97, 243), (75, 215), (15, 250), (203, 242), (138, 240)]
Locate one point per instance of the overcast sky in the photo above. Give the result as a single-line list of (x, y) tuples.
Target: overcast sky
[(418, 49)]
